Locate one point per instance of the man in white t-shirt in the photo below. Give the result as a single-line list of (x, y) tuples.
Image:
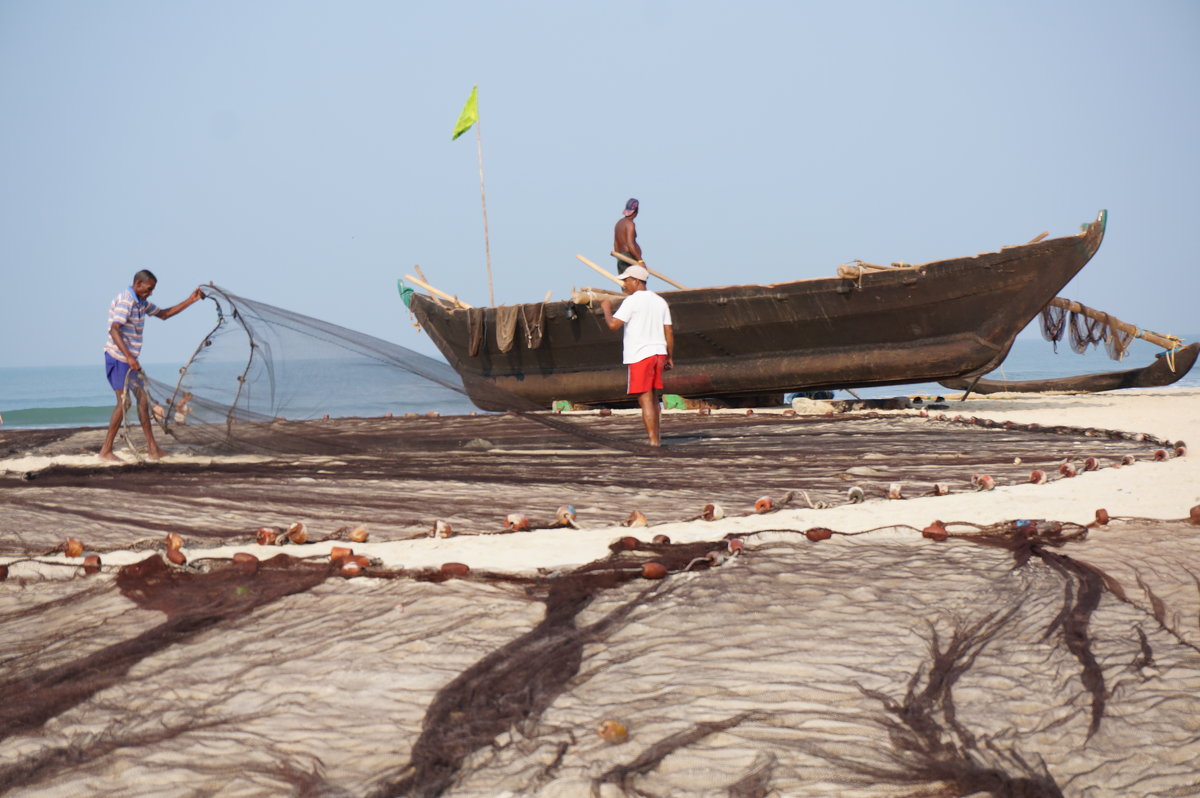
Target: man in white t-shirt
[(649, 343)]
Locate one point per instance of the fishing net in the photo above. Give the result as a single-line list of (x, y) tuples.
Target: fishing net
[(1085, 328), (262, 368)]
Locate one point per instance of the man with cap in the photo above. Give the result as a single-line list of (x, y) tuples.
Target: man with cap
[(625, 237), (649, 343)]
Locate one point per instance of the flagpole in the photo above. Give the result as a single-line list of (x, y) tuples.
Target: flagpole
[(487, 247)]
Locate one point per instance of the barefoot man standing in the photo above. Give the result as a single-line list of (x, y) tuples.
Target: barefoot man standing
[(649, 343), (126, 317)]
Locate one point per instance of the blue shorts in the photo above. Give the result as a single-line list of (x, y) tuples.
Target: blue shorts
[(116, 371)]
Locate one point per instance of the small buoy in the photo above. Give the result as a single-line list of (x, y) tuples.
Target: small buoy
[(749, 412), (1160, 455), (174, 541), (736, 545), (91, 564), (350, 568), (984, 481), (1038, 476), (1128, 460), (565, 515), (1180, 450), (245, 562), (765, 504), (73, 547), (455, 569), (1102, 516), (441, 529), (935, 531), (653, 570), (716, 557), (713, 512), (297, 534), (612, 732), (855, 495), (789, 412), (604, 411), (895, 491), (359, 534), (1091, 464), (923, 414), (661, 540), (704, 411), (339, 553), (176, 557), (818, 533), (1194, 515), (517, 522), (1067, 469), (636, 518), (629, 543), (266, 536), (1016, 461), (940, 489)]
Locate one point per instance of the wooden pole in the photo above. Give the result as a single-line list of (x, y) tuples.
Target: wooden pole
[(609, 275), (1165, 341), (433, 290), (487, 248), (632, 262)]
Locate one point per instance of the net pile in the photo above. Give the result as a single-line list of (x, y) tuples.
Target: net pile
[(262, 366)]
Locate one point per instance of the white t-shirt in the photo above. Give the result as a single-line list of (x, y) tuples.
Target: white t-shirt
[(644, 313)]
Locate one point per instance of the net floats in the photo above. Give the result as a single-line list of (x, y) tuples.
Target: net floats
[(764, 504), (441, 529), (91, 564), (266, 535), (174, 541), (983, 481), (612, 732), (1067, 469), (856, 495), (565, 515), (636, 518), (516, 522), (452, 569), (653, 570), (73, 547), (245, 562), (895, 491), (1038, 477), (818, 533), (176, 557), (359, 534), (712, 512), (935, 531), (1194, 515), (297, 533)]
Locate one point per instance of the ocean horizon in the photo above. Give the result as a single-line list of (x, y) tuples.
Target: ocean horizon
[(44, 397)]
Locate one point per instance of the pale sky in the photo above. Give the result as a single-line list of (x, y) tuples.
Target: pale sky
[(299, 153)]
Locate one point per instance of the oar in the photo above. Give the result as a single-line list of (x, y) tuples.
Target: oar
[(433, 290), (609, 275), (659, 275)]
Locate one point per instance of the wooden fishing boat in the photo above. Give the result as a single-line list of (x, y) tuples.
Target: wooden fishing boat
[(922, 323), (1165, 370)]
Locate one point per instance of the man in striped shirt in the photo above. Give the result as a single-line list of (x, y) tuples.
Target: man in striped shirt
[(126, 317)]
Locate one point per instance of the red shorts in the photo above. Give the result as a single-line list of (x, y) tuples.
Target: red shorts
[(647, 374)]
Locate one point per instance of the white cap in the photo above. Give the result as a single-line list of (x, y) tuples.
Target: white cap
[(636, 271)]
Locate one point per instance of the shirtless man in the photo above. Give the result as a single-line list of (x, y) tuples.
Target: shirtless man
[(126, 317), (625, 237)]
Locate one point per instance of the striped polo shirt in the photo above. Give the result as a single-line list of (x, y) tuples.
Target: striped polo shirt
[(129, 312)]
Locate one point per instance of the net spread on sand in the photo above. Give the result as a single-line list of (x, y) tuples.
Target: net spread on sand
[(1015, 659), (262, 365)]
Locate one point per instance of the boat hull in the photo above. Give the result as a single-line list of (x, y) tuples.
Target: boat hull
[(925, 323), (1161, 372)]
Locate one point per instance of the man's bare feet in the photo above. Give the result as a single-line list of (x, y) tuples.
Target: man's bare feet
[(156, 453), (110, 457)]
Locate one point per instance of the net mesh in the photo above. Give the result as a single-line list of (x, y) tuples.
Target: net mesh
[(1084, 329), (262, 366)]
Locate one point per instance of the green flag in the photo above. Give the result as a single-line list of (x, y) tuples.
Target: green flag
[(469, 115)]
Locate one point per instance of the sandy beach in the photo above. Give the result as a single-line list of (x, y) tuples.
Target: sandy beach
[(1029, 649)]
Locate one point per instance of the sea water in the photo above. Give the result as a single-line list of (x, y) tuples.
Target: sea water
[(79, 396)]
